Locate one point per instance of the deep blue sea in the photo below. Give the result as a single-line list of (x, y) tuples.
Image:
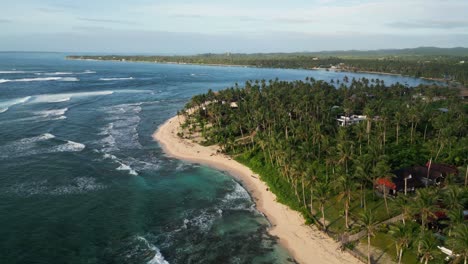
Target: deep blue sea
[(82, 181)]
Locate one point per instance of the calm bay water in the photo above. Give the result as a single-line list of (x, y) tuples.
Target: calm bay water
[(82, 181)]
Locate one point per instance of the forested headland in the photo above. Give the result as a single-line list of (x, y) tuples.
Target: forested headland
[(288, 133), (449, 64)]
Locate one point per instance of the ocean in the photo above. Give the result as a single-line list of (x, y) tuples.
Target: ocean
[(82, 181)]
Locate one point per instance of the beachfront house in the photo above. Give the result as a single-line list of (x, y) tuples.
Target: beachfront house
[(409, 179)]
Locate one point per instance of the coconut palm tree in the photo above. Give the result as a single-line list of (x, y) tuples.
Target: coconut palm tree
[(403, 205), (322, 193), (381, 169), (424, 204), (454, 197), (345, 185), (456, 217), (402, 235), (459, 242), (369, 223), (428, 247)]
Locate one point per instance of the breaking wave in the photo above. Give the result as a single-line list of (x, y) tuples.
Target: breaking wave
[(123, 166), (4, 106), (63, 97), (116, 79), (15, 72), (70, 146), (64, 79), (121, 132), (158, 258), (37, 145), (54, 73), (55, 114), (64, 73)]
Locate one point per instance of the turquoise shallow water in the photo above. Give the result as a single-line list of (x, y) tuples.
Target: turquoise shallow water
[(82, 181)]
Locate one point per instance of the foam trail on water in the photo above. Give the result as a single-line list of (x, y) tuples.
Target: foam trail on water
[(116, 79), (43, 137), (65, 79), (54, 73), (63, 97), (4, 106), (14, 72)]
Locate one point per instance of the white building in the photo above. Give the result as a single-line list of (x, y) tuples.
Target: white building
[(350, 120)]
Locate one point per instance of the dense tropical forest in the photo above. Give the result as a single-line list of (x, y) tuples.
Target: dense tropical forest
[(436, 63), (288, 133)]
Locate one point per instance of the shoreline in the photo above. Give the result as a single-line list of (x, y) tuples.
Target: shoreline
[(306, 244), (253, 66)]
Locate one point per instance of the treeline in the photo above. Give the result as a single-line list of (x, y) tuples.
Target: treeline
[(444, 67), (288, 133)]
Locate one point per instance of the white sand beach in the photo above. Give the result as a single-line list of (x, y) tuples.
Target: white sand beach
[(305, 243)]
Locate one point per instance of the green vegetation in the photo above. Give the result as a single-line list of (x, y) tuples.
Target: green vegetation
[(287, 132), (427, 62)]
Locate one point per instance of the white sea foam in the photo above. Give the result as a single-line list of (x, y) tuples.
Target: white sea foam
[(5, 105), (70, 146), (63, 97), (42, 79), (77, 185), (122, 165), (238, 193), (33, 146), (52, 113), (158, 258), (63, 73), (125, 167), (13, 72), (121, 132), (43, 137), (238, 199), (116, 79), (54, 73), (60, 100), (204, 221)]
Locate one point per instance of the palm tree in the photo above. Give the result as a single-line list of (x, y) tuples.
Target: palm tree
[(404, 206), (459, 242), (381, 170), (424, 204), (369, 223), (312, 171), (345, 190), (454, 198), (323, 190), (456, 217), (402, 235), (428, 247)]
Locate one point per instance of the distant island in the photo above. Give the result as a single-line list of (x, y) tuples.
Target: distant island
[(381, 169), (443, 64)]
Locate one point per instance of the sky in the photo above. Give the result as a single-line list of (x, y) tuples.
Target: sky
[(248, 26)]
